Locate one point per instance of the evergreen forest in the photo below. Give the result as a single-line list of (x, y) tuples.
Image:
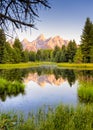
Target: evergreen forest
[(82, 53)]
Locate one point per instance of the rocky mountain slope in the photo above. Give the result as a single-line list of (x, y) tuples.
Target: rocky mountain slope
[(42, 43)]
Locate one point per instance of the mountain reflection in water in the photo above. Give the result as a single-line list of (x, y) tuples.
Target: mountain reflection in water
[(59, 86), (56, 73), (44, 79)]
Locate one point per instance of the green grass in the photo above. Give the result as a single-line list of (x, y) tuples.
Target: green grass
[(85, 91), (35, 64), (76, 66), (8, 88), (62, 118), (24, 65)]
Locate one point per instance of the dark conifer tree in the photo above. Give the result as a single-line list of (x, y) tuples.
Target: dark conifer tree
[(18, 47), (63, 54), (71, 51), (87, 41)]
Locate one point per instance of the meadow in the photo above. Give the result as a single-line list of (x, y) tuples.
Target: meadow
[(36, 64)]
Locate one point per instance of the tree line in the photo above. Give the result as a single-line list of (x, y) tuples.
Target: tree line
[(82, 53)]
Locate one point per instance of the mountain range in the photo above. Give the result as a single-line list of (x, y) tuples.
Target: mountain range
[(42, 43)]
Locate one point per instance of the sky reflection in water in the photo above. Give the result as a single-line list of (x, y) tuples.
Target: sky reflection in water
[(49, 89)]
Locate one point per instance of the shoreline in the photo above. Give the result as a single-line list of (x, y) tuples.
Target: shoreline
[(37, 64)]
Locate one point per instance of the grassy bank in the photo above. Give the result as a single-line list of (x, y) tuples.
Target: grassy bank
[(24, 65), (85, 91), (76, 66), (8, 88), (36, 64), (62, 118)]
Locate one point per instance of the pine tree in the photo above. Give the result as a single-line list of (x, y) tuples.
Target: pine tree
[(25, 56), (39, 55), (91, 55), (32, 56), (79, 56), (18, 45), (63, 54), (71, 51), (87, 41), (55, 54), (18, 48), (5, 58), (6, 54)]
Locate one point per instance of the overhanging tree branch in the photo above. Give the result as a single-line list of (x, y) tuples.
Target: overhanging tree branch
[(16, 21), (20, 13)]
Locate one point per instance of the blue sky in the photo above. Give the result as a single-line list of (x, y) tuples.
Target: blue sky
[(65, 18)]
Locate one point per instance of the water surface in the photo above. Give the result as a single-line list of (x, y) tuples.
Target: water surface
[(44, 86)]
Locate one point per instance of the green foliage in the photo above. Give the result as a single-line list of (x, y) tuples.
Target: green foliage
[(76, 65), (71, 51), (39, 55), (78, 58), (17, 44), (91, 54), (32, 56), (62, 118), (85, 91), (87, 41), (18, 48), (18, 55), (56, 54), (25, 56), (8, 88), (7, 54), (5, 57), (44, 55), (7, 121), (63, 54)]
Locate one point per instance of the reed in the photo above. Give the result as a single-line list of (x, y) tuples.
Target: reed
[(61, 118), (85, 91), (8, 88)]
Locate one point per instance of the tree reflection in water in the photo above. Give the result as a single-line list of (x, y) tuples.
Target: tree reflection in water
[(19, 74)]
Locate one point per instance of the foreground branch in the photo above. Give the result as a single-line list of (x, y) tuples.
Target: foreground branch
[(16, 21)]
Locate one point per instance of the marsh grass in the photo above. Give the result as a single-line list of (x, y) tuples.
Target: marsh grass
[(24, 65), (62, 118), (76, 66), (85, 91), (36, 64), (8, 88)]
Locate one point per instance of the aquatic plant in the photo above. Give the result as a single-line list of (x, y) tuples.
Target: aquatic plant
[(8, 88), (85, 91), (60, 118)]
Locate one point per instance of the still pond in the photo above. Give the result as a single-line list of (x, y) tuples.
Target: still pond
[(44, 86)]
